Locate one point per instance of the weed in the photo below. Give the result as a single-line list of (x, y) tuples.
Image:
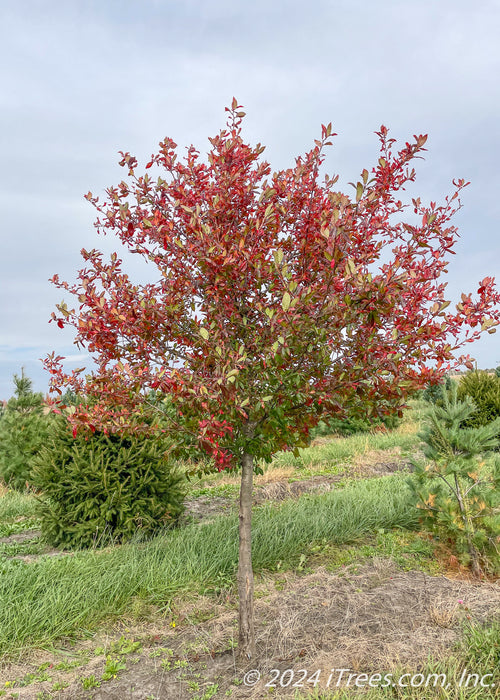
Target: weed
[(60, 685), (125, 646), (210, 692), (112, 667), (90, 682), (161, 651), (68, 665)]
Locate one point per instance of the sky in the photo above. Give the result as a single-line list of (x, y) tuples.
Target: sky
[(83, 79)]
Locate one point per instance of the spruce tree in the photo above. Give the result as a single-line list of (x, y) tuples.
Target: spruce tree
[(23, 431), (98, 488)]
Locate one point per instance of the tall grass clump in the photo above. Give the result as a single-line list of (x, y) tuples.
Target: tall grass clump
[(14, 504)]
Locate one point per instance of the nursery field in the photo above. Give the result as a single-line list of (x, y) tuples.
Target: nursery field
[(352, 598)]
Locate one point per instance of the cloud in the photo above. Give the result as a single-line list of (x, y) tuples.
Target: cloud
[(84, 80)]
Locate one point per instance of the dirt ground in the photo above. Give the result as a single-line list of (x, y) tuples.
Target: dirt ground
[(370, 620)]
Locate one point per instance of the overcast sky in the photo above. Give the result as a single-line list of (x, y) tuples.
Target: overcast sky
[(83, 79)]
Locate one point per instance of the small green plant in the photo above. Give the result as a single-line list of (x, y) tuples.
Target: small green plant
[(59, 685), (161, 651), (90, 682), (210, 692), (457, 491), (113, 666), (124, 646), (68, 665)]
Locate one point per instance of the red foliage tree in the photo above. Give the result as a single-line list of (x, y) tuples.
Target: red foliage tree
[(278, 299)]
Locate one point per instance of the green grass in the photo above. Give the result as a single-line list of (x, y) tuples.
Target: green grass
[(406, 548), (58, 596), (329, 456), (14, 504)]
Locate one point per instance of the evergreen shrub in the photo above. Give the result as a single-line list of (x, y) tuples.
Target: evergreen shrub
[(484, 390), (433, 393), (101, 488), (353, 424)]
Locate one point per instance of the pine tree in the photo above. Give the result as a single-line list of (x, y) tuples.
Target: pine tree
[(458, 489), (23, 431)]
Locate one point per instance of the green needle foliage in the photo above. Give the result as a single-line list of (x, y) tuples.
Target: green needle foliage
[(433, 392), (484, 389), (23, 431), (458, 489), (100, 488)]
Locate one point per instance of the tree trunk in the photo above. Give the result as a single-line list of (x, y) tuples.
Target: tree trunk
[(468, 528), (246, 640)]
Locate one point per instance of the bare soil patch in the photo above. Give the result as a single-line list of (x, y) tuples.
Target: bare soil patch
[(20, 537), (370, 620)]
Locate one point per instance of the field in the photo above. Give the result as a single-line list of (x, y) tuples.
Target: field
[(344, 580)]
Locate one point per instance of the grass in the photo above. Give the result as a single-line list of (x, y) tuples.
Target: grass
[(332, 454), (327, 459), (14, 504), (475, 659), (407, 548), (58, 596), (72, 595)]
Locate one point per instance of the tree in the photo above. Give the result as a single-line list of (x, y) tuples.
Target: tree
[(23, 432), (278, 298), (457, 490)]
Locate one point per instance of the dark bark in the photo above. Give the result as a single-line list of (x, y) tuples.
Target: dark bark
[(246, 640)]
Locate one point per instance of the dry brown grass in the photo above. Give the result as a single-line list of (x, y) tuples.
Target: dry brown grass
[(370, 620)]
